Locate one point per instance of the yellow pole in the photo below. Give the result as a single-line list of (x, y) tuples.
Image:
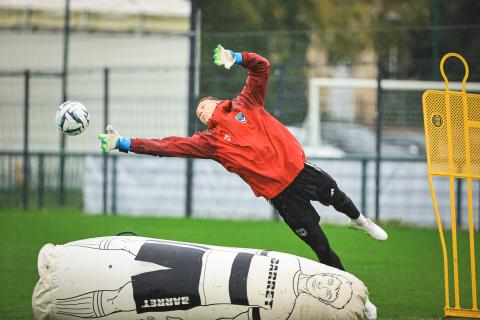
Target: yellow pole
[(472, 245), (452, 172), (468, 162), (437, 212), (454, 243), (442, 241), (453, 213), (460, 166)]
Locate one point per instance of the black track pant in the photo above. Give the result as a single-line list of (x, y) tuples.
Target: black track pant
[(293, 204)]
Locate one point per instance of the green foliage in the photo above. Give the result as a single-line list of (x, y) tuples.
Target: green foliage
[(291, 34), (264, 27), (340, 29), (285, 32), (408, 36), (398, 272), (412, 36)]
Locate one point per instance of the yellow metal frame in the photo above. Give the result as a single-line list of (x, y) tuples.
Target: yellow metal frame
[(452, 172)]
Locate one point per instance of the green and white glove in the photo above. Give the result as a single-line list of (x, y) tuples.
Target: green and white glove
[(226, 58), (112, 140)]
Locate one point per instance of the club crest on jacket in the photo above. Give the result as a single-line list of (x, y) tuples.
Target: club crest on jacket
[(241, 117)]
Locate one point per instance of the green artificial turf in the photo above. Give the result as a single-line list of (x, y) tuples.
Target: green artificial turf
[(404, 274)]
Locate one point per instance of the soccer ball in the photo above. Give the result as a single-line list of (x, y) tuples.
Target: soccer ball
[(72, 117)]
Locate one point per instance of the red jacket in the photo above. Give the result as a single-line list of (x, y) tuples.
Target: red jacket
[(242, 136)]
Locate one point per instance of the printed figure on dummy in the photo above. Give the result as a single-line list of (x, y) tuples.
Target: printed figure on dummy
[(144, 278)]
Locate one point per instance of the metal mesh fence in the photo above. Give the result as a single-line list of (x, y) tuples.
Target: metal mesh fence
[(12, 109), (23, 49), (43, 187), (143, 80), (139, 185), (150, 102), (142, 103)]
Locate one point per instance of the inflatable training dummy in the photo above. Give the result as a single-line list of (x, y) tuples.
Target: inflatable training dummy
[(138, 278)]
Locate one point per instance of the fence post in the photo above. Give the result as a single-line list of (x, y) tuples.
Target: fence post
[(41, 180), (378, 128), (66, 34), (114, 184), (363, 201), (435, 18), (11, 170), (26, 152), (280, 91), (106, 78), (192, 96)]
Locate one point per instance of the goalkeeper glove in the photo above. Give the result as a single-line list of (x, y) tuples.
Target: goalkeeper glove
[(225, 57), (112, 140)]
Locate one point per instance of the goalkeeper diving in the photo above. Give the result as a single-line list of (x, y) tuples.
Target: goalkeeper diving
[(247, 140)]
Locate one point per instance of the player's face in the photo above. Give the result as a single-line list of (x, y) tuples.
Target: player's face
[(205, 110), (323, 287)]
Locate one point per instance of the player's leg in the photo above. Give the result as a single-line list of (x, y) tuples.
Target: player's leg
[(302, 218), (317, 240), (328, 193)]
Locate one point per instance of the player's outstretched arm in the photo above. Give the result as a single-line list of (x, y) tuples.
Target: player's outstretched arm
[(255, 89), (113, 140), (200, 145)]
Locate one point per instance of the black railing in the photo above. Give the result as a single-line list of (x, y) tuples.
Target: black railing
[(35, 184)]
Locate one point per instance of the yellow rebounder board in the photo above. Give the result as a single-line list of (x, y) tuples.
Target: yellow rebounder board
[(452, 135)]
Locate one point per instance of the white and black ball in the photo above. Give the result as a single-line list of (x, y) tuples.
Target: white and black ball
[(72, 117)]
